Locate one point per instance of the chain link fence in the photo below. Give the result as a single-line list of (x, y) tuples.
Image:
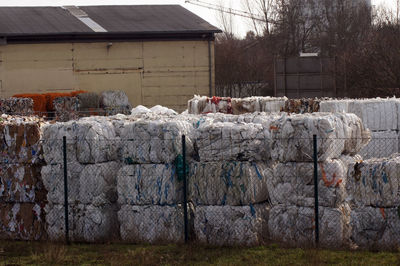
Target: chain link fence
[(216, 190)]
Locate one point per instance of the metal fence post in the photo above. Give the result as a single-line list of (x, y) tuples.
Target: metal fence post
[(65, 189), (316, 190), (185, 212)]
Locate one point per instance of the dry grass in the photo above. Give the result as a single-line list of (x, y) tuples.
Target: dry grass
[(34, 253)]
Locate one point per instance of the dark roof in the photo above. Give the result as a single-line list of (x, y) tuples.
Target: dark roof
[(130, 20)]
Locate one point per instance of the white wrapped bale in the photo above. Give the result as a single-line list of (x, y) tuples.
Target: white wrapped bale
[(334, 106), (205, 105), (246, 105), (140, 109), (382, 144), (98, 184), (375, 182), (149, 184), (229, 141), (21, 184), (22, 221), (293, 183), (86, 222), (161, 110), (230, 225), (96, 223), (151, 224), (375, 227), (53, 180), (271, 104), (154, 141), (88, 141), (227, 183), (114, 99), (337, 134), (377, 114), (295, 225)]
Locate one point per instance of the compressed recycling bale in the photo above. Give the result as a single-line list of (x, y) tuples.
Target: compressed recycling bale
[(114, 99), (377, 114), (227, 183), (382, 144), (53, 180), (246, 105), (140, 109), (301, 106), (295, 226), (231, 225), (205, 105), (16, 106), (232, 141), (149, 184), (375, 227), (337, 134), (272, 104), (293, 183), (152, 224), (97, 223), (86, 222), (334, 106), (154, 141), (22, 221), (88, 141), (374, 182), (88, 100), (20, 140), (66, 108), (21, 183), (98, 183), (161, 110)]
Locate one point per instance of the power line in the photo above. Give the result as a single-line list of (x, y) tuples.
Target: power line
[(234, 12)]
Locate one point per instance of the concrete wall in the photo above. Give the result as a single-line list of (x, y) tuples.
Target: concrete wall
[(159, 72)]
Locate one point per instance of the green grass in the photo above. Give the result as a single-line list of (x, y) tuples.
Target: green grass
[(34, 253)]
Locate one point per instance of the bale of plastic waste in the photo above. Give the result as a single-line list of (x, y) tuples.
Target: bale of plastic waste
[(154, 141), (16, 106), (232, 141), (375, 227), (231, 225), (149, 184), (66, 108), (292, 183), (152, 224), (227, 183), (295, 226), (375, 182)]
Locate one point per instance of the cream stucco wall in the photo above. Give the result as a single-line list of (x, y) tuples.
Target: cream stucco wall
[(157, 72)]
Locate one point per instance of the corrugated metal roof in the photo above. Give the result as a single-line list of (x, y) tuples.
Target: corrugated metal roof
[(135, 19)]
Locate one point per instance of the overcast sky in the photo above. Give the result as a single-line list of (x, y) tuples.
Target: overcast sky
[(241, 25)]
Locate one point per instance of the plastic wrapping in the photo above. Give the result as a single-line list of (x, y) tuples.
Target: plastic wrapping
[(229, 225), (152, 224), (227, 183), (295, 226), (149, 184), (375, 182)]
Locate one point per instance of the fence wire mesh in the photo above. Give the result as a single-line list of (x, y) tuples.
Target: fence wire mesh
[(242, 189)]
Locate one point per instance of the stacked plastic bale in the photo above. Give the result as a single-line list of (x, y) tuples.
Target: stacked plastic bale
[(66, 108), (150, 193), (22, 194), (16, 106), (236, 106), (92, 164), (380, 115), (373, 187), (291, 186), (115, 102), (301, 106), (227, 182)]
